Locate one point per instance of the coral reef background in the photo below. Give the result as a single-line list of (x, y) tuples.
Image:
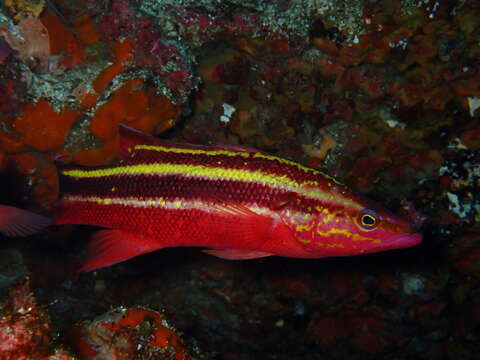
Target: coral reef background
[(382, 94)]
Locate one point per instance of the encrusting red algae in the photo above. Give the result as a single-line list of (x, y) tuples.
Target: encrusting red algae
[(381, 94)]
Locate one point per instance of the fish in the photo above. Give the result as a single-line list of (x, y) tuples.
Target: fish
[(232, 201)]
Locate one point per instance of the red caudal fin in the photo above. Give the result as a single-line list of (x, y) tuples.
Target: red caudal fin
[(17, 222), (108, 247)]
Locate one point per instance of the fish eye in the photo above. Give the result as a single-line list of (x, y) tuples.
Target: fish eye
[(368, 220)]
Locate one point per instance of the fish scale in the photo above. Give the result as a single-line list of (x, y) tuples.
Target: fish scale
[(236, 202)]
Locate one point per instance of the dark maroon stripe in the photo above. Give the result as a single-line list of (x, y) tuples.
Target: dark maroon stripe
[(173, 187), (228, 162)]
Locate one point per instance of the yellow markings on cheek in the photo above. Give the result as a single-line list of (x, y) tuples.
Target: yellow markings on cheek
[(341, 232), (323, 233), (356, 237), (335, 245), (113, 189), (346, 233), (304, 241), (329, 215), (304, 227), (299, 222)]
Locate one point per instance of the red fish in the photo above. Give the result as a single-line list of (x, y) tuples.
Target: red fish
[(239, 203)]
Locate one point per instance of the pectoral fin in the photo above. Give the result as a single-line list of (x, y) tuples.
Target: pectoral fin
[(240, 224), (108, 247), (232, 254)]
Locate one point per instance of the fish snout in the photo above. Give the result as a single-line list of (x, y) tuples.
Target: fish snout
[(404, 240)]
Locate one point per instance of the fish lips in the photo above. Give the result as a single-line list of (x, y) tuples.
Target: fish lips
[(397, 241), (404, 240)]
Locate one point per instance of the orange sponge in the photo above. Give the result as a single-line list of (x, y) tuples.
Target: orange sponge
[(42, 128)]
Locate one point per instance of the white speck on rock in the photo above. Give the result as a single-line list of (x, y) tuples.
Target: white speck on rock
[(456, 206), (393, 123), (228, 111), (413, 284), (473, 104)]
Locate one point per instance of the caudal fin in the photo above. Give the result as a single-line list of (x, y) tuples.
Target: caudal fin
[(16, 222)]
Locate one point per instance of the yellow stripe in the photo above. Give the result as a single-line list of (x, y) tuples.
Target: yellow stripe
[(336, 245), (306, 188), (297, 165), (348, 234), (143, 203), (160, 202), (243, 154), (189, 170)]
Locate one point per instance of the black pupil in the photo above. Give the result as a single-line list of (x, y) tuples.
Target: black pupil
[(368, 220)]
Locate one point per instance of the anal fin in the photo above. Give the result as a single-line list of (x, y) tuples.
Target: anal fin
[(232, 254), (108, 247)]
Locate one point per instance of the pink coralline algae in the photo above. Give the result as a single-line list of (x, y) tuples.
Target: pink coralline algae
[(158, 47), (172, 67), (198, 29), (34, 41), (128, 334), (152, 49), (25, 330)]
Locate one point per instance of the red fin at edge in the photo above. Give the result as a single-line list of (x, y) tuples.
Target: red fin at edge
[(108, 247), (236, 147), (241, 223), (239, 210), (130, 137), (17, 222), (232, 254)]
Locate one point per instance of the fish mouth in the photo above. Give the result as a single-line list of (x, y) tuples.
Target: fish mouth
[(397, 241), (404, 240)]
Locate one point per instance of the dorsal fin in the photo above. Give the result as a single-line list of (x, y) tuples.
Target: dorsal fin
[(130, 137), (131, 140), (236, 148)]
